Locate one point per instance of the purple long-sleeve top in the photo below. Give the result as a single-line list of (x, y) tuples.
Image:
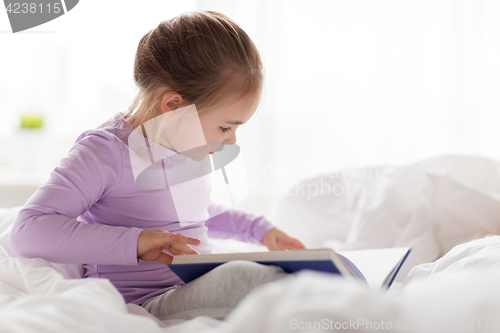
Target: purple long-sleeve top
[(91, 212)]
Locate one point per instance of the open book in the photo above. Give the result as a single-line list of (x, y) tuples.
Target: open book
[(381, 265)]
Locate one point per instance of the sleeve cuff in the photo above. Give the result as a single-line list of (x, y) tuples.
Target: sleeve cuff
[(132, 259), (260, 229)]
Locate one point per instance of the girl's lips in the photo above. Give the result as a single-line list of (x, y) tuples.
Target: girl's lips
[(221, 147)]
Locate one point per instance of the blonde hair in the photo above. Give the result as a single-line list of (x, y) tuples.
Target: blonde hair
[(203, 56)]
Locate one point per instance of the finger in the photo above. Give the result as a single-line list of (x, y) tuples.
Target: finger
[(189, 240), (287, 247), (165, 258), (176, 252), (272, 246), (292, 244), (184, 248), (172, 238), (180, 238), (298, 244)]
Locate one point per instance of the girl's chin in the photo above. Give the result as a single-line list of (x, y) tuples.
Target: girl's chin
[(197, 157)]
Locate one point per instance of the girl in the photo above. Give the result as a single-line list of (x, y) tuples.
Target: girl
[(91, 211)]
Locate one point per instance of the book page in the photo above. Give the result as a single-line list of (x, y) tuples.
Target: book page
[(375, 264), (291, 255)]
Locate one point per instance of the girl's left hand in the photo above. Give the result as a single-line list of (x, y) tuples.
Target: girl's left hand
[(276, 239)]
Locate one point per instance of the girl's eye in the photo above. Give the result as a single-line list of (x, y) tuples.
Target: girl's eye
[(223, 129)]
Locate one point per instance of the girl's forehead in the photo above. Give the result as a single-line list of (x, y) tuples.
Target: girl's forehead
[(233, 113)]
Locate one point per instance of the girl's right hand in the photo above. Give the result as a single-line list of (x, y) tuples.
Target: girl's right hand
[(152, 242)]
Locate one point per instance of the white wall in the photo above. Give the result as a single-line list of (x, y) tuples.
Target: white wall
[(348, 83)]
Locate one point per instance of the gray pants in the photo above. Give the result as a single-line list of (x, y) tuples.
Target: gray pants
[(214, 294)]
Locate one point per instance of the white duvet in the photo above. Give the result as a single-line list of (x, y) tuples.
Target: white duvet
[(432, 206), (458, 292)]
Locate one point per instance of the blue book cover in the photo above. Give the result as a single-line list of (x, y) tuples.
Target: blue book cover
[(189, 272), (190, 267)]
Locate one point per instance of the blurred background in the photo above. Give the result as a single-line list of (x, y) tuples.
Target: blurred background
[(348, 83)]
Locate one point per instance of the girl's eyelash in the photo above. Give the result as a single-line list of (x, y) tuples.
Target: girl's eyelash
[(223, 129)]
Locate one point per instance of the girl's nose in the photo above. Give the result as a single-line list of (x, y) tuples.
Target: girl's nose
[(231, 139)]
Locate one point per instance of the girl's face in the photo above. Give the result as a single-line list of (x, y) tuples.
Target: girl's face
[(196, 135), (219, 125)]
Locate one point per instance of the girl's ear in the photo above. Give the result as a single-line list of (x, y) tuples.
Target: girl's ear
[(171, 101)]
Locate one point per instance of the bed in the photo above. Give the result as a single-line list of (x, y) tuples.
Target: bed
[(442, 207)]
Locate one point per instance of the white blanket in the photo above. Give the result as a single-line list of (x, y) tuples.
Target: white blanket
[(37, 296), (459, 289), (431, 206), (458, 293)]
